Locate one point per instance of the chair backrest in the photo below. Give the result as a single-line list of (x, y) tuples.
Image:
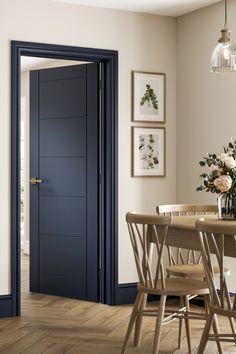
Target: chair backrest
[(212, 234), (186, 209), (177, 255), (148, 232)]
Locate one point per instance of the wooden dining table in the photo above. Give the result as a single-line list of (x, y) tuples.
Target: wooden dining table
[(182, 233)]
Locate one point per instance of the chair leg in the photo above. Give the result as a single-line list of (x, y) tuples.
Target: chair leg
[(231, 319), (160, 317), (216, 330), (205, 333), (136, 307), (180, 325), (232, 325), (234, 305), (187, 324), (234, 309), (215, 323), (206, 304), (139, 323)]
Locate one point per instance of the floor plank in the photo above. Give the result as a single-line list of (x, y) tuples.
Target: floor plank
[(54, 325)]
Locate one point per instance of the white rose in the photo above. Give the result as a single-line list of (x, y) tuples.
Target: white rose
[(230, 162), (223, 157), (223, 183)]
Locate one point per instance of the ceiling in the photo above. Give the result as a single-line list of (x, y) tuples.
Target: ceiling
[(28, 63), (34, 63), (161, 7)]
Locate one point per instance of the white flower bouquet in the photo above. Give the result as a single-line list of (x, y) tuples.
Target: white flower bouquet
[(220, 176)]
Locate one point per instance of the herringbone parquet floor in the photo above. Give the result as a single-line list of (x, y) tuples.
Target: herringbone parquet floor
[(50, 324)]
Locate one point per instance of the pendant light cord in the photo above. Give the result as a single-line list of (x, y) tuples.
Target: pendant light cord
[(226, 15)]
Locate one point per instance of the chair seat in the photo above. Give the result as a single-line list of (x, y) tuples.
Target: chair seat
[(191, 270), (177, 287)]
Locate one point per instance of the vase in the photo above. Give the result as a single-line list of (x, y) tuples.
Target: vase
[(227, 206)]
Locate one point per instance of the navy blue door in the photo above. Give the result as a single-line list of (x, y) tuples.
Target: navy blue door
[(64, 205)]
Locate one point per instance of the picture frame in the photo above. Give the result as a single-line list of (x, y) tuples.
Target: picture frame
[(148, 93), (148, 152)]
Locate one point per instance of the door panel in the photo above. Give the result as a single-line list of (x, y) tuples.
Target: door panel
[(63, 216), (60, 137), (52, 284), (68, 72), (63, 176), (64, 154), (62, 98), (54, 265)]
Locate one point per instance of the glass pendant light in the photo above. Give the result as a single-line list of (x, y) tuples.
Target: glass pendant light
[(224, 55)]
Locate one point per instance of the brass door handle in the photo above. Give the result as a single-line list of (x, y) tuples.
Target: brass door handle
[(35, 180)]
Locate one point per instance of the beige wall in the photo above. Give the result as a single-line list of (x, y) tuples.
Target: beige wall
[(206, 102), (144, 42)]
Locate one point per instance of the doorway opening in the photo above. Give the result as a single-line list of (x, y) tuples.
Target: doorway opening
[(22, 53), (56, 144)]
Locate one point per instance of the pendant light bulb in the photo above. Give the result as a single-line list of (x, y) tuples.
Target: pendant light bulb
[(223, 58)]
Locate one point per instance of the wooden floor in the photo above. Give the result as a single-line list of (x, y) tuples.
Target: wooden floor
[(50, 324)]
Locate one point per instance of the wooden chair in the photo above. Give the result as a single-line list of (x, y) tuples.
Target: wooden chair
[(185, 263), (211, 235), (148, 234)]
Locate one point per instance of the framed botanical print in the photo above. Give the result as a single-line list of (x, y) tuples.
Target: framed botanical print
[(148, 97), (148, 151)]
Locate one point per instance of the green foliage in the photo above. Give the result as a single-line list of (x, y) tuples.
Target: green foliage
[(149, 97), (147, 152), (218, 166)]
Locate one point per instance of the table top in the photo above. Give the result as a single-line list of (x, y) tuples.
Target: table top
[(188, 222), (183, 233), (185, 222)]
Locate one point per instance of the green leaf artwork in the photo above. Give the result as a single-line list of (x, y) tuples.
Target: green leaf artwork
[(149, 97), (147, 153)]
